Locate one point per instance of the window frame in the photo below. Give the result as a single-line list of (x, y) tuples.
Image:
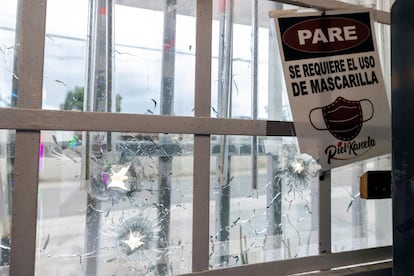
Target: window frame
[(26, 172)]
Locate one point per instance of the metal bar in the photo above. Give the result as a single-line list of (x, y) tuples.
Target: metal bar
[(24, 210), (166, 108), (26, 168), (375, 269), (202, 101), (221, 19), (201, 203), (306, 264), (274, 202), (276, 82), (380, 16), (201, 163), (325, 213), (96, 121), (222, 207), (168, 58), (254, 73), (225, 59), (10, 149), (274, 190), (255, 55), (359, 210), (95, 101), (98, 99)]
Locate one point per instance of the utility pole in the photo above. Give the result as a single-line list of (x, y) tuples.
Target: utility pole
[(225, 78), (166, 108), (98, 98)]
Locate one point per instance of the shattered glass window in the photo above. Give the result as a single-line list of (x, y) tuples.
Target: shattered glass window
[(359, 223), (264, 193), (114, 204), (262, 212)]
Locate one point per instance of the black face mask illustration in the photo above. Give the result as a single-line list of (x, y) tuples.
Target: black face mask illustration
[(343, 118)]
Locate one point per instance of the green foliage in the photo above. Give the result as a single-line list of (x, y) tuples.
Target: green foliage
[(118, 101), (74, 99)]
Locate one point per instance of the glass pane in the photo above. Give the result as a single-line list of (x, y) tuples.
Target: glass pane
[(8, 80), (8, 97), (7, 145), (155, 57), (65, 54), (359, 223), (233, 63), (115, 204), (236, 79), (262, 212), (134, 63)]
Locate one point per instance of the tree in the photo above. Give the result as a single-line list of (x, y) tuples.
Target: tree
[(118, 101), (74, 99)]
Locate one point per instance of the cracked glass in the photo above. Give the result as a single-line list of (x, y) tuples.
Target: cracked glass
[(114, 204), (120, 203), (262, 211)]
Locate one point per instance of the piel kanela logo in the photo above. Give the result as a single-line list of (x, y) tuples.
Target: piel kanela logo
[(349, 150)]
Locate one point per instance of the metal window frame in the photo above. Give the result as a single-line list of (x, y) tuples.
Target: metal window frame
[(26, 167), (24, 216)]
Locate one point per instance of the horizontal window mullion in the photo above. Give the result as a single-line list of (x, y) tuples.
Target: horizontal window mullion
[(31, 119), (307, 264)]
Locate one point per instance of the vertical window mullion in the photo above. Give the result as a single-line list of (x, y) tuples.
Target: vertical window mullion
[(202, 103), (30, 56), (325, 213)]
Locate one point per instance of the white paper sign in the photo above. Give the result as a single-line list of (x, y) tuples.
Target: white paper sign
[(335, 85)]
